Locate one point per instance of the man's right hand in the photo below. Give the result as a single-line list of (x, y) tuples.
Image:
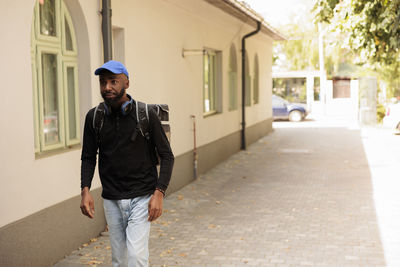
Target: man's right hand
[(87, 203)]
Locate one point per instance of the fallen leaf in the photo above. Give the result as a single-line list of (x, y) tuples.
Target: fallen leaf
[(211, 226), (94, 262), (218, 202), (183, 255)]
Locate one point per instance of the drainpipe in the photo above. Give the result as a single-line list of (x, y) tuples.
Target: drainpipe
[(243, 144), (106, 29)]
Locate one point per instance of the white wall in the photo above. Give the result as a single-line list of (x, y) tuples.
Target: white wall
[(155, 33)]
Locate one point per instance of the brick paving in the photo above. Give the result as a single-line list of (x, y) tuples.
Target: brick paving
[(300, 196)]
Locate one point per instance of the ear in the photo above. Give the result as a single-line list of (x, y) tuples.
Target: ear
[(126, 83)]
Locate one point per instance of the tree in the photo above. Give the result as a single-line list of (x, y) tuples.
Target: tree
[(371, 27), (300, 51)]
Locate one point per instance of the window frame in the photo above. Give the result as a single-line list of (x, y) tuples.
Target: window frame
[(256, 81), (42, 44), (68, 140), (248, 98), (47, 38), (215, 72), (65, 16), (233, 79), (60, 102)]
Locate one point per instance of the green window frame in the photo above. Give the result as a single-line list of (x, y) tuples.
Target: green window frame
[(256, 81), (233, 80), (211, 82), (54, 77), (247, 86)]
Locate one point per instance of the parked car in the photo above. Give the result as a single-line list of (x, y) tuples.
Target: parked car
[(283, 109), (392, 117)]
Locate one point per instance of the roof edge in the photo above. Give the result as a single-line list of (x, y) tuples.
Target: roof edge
[(243, 11)]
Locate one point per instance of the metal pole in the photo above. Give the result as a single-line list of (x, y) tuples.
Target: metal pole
[(106, 29)]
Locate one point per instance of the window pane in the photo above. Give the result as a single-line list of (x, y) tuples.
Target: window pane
[(206, 85), (232, 91), (68, 37), (47, 17), (255, 90), (213, 82), (51, 123), (247, 90), (35, 127), (71, 102)]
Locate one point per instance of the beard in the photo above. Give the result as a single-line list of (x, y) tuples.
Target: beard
[(115, 100)]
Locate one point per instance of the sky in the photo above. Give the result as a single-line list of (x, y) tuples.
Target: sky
[(282, 12)]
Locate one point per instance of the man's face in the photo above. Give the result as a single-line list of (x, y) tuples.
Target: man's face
[(112, 87)]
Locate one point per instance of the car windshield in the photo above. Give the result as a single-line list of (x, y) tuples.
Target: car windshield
[(280, 99)]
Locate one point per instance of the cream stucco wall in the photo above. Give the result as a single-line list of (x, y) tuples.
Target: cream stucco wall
[(30, 184), (155, 31)]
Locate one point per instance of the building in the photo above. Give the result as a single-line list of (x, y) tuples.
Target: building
[(182, 52)]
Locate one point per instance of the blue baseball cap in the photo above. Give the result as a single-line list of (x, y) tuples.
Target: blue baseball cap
[(113, 66)]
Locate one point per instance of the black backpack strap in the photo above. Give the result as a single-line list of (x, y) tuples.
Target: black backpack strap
[(98, 120), (142, 117)]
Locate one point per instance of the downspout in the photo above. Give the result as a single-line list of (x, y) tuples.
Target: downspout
[(106, 29), (243, 135)]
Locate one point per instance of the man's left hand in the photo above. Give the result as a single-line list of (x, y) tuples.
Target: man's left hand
[(155, 205)]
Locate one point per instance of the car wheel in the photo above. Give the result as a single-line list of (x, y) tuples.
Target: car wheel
[(295, 115)]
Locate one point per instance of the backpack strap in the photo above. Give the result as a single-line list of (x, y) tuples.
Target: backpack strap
[(98, 120), (142, 118)]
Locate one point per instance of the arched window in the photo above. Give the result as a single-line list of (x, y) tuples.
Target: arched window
[(232, 74), (247, 87), (256, 82), (54, 76)]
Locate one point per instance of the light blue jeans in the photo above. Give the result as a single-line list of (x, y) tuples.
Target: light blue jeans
[(129, 229)]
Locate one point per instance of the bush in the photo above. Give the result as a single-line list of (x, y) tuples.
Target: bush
[(380, 112)]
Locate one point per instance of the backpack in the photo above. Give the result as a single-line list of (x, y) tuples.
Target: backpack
[(142, 119)]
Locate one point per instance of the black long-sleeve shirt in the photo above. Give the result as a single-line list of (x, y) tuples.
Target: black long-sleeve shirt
[(127, 168)]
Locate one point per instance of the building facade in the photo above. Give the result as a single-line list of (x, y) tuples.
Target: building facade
[(185, 53)]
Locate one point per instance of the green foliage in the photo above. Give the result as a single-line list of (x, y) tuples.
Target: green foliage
[(300, 51), (371, 30), (380, 112), (371, 27)]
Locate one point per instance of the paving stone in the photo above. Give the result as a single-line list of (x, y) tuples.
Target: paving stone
[(300, 196)]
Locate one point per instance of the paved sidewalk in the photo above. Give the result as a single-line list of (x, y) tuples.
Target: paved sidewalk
[(301, 195)]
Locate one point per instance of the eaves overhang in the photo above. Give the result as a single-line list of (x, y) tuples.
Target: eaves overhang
[(243, 12)]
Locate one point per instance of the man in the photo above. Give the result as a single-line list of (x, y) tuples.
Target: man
[(132, 191)]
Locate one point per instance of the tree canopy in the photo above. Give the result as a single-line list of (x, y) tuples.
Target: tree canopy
[(371, 27)]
